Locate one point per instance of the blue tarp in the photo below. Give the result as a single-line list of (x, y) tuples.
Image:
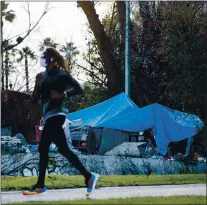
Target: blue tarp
[(121, 113), (99, 114)]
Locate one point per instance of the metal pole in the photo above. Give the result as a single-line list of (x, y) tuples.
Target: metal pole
[(127, 50)]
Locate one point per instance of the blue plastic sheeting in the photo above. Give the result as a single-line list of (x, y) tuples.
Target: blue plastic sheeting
[(105, 111), (121, 113)]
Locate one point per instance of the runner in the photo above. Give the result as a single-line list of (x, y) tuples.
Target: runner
[(51, 90)]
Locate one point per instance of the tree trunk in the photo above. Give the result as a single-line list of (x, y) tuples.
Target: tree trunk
[(121, 6), (26, 73), (2, 71), (104, 45), (145, 97), (7, 68), (205, 119), (146, 20), (2, 57)]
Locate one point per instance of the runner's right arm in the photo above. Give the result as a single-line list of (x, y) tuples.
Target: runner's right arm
[(35, 97)]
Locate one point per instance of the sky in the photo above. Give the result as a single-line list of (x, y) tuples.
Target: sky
[(64, 22)]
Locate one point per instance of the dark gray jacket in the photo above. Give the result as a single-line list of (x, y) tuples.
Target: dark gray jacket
[(51, 88)]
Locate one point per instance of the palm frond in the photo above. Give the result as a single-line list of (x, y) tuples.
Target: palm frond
[(21, 56)]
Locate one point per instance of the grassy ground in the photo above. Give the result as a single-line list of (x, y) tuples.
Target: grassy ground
[(61, 181), (137, 200)]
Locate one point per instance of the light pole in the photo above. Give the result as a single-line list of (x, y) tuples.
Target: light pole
[(127, 50)]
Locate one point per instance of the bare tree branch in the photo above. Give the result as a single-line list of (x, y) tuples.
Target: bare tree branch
[(29, 15), (19, 40), (93, 65), (91, 72)]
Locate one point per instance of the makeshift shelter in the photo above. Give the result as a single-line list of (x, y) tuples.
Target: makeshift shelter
[(120, 114), (18, 113)]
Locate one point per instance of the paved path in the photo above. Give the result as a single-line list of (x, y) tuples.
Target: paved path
[(107, 192)]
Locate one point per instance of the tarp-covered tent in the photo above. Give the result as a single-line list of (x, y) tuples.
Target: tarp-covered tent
[(99, 114), (120, 113)]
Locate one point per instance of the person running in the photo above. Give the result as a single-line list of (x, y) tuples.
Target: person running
[(51, 87)]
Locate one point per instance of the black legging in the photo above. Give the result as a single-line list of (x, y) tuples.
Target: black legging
[(53, 132)]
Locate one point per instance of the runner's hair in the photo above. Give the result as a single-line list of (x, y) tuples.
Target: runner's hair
[(58, 58)]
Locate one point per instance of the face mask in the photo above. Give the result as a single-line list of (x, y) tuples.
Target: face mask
[(45, 59), (43, 62)]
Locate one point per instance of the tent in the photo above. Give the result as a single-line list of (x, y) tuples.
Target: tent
[(99, 114), (120, 113)]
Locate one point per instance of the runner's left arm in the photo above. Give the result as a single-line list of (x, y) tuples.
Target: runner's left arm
[(75, 87)]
